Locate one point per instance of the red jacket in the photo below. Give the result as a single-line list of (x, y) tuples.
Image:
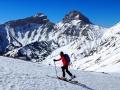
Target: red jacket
[(64, 61)]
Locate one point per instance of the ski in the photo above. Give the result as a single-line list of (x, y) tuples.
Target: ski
[(72, 82), (68, 80)]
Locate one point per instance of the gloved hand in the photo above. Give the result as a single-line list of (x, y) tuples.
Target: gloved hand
[(54, 60)]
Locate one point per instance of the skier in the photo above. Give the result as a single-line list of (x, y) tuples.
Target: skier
[(66, 63)]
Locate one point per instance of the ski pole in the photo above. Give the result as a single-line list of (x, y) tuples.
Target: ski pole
[(55, 69)]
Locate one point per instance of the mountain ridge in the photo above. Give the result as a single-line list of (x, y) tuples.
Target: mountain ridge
[(74, 28)]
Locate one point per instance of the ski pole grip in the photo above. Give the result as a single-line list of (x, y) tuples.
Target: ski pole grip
[(54, 60)]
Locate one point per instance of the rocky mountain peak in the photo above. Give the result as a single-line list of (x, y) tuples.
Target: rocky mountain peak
[(39, 18), (76, 15)]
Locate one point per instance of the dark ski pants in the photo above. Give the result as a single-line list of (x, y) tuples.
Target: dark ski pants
[(63, 70)]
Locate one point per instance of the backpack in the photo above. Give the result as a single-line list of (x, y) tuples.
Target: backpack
[(67, 58)]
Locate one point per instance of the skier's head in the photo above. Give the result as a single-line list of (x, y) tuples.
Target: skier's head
[(61, 53)]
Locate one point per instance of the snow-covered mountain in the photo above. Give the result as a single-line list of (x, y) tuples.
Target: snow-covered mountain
[(76, 36), (107, 55), (74, 28), (19, 33), (104, 58)]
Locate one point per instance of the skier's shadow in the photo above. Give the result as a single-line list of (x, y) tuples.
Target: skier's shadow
[(84, 86)]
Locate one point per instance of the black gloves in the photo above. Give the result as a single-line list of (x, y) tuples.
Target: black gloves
[(54, 60)]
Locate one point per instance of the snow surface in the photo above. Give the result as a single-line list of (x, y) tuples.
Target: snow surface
[(21, 75)]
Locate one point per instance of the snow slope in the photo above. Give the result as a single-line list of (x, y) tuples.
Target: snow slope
[(86, 55), (107, 55), (21, 75)]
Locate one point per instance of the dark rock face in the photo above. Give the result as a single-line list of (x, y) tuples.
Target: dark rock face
[(3, 39), (73, 15), (37, 51), (38, 19)]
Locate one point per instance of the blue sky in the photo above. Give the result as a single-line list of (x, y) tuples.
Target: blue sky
[(101, 12)]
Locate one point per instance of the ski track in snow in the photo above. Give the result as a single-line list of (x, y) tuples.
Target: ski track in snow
[(21, 75)]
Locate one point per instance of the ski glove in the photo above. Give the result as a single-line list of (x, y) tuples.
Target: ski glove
[(54, 60)]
